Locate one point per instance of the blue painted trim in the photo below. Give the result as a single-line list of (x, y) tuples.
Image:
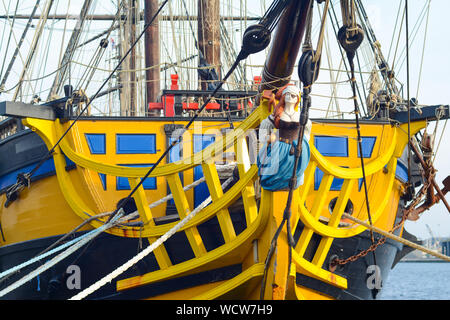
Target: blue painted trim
[(201, 192), (401, 172), (135, 143), (330, 146), (103, 180), (368, 144), (336, 185), (96, 142), (123, 184), (174, 155), (47, 169), (361, 181)]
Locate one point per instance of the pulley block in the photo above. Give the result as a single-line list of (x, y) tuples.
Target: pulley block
[(350, 38), (308, 70), (256, 38)]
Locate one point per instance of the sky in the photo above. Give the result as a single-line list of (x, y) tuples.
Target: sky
[(429, 78), (429, 81), (434, 86)]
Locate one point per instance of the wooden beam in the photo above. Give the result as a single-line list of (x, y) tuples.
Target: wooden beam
[(71, 46), (152, 52), (209, 33)]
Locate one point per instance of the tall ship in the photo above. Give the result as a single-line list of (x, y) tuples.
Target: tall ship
[(185, 149)]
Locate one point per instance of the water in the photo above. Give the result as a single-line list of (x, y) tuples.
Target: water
[(418, 281)]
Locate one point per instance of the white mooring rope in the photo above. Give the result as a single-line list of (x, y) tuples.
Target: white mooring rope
[(95, 231), (108, 278), (61, 256)]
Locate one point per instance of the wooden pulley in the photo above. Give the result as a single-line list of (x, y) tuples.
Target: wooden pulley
[(256, 38), (308, 70), (350, 38)]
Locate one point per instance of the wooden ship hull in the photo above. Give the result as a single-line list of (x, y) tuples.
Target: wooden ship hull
[(220, 252), (199, 225)]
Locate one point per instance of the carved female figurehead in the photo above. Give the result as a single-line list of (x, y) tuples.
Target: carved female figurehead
[(276, 159), (287, 108)]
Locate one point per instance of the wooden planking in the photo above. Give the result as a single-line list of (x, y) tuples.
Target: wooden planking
[(182, 205), (248, 192), (325, 242), (145, 213), (216, 192)]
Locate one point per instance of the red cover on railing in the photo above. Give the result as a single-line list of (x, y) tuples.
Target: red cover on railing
[(155, 106), (190, 106), (168, 102), (213, 106)]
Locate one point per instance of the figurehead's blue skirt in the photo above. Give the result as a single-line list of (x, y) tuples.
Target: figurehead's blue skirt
[(276, 165)]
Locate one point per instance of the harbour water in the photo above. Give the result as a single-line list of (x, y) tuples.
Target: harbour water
[(418, 281)]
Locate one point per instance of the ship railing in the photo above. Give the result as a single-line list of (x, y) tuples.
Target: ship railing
[(9, 126), (176, 103), (317, 211)]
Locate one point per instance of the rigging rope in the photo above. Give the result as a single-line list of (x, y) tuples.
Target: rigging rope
[(108, 278), (308, 73), (423, 48), (256, 38), (61, 256), (336, 23), (99, 52), (18, 45), (12, 193), (410, 187), (396, 238), (9, 37), (31, 54), (350, 37), (48, 251)]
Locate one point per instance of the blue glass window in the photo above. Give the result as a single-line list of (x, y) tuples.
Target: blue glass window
[(330, 146), (174, 155), (401, 172), (201, 192), (336, 185), (135, 143), (123, 184), (367, 146), (96, 143)]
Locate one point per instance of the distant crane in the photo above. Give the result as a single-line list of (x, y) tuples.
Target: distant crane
[(434, 241)]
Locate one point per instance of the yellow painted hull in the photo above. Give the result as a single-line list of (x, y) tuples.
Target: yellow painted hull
[(57, 204)]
